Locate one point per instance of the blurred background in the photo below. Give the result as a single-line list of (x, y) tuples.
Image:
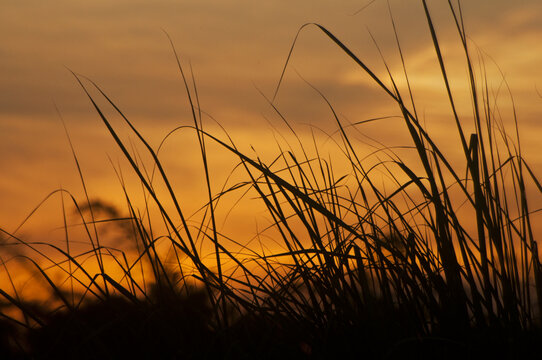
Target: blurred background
[(236, 49)]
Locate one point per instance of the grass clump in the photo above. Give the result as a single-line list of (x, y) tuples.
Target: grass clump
[(366, 270)]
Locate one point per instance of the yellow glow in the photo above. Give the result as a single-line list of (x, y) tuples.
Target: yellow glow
[(235, 48)]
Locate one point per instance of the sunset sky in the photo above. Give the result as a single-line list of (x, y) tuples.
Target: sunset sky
[(236, 49)]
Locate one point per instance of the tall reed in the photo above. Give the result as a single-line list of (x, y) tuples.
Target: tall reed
[(365, 269)]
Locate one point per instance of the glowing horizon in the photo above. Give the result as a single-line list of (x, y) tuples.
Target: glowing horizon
[(235, 49)]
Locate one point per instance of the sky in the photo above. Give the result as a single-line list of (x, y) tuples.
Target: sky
[(236, 50)]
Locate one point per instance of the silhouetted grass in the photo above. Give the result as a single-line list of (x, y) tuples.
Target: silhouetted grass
[(368, 271)]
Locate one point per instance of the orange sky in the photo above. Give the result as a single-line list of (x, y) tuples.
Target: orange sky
[(234, 47)]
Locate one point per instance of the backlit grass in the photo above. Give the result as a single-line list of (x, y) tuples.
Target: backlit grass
[(442, 261)]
